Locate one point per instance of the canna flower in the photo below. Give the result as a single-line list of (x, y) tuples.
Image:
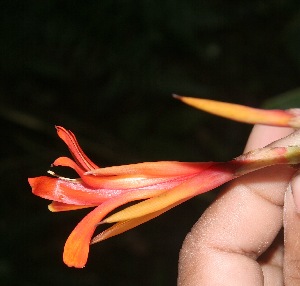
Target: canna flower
[(159, 186)]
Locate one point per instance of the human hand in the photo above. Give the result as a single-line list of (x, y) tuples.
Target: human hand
[(238, 240)]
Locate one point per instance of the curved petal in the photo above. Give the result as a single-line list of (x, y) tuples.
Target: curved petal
[(77, 245), (123, 226), (67, 162), (91, 181), (81, 158)]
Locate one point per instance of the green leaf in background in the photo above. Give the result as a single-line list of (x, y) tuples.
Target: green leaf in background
[(289, 99)]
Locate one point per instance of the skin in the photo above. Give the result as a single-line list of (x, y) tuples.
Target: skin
[(250, 235)]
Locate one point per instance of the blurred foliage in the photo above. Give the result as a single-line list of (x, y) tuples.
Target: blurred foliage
[(289, 99), (106, 70)]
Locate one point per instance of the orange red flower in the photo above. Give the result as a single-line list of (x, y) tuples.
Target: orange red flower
[(158, 185)]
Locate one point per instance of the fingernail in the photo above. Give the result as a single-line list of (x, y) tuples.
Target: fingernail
[(295, 185)]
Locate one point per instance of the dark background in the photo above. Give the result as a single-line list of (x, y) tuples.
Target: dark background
[(106, 70)]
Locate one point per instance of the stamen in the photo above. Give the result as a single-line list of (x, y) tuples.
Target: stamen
[(61, 177)]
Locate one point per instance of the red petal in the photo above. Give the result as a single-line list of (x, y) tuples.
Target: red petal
[(69, 192), (77, 245), (154, 169), (123, 226), (134, 180), (216, 175), (207, 180), (81, 158)]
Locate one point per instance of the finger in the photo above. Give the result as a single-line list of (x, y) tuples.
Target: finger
[(296, 190), (224, 244), (262, 136), (291, 266), (271, 262)]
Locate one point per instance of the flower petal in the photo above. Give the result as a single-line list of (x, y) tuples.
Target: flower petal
[(154, 169), (77, 245), (123, 226), (106, 179), (69, 191), (216, 175), (207, 180), (81, 158), (245, 114)]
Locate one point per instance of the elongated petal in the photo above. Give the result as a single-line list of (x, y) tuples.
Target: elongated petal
[(81, 158), (211, 178), (289, 118), (77, 245), (207, 180), (69, 192), (134, 180), (154, 169), (123, 226)]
